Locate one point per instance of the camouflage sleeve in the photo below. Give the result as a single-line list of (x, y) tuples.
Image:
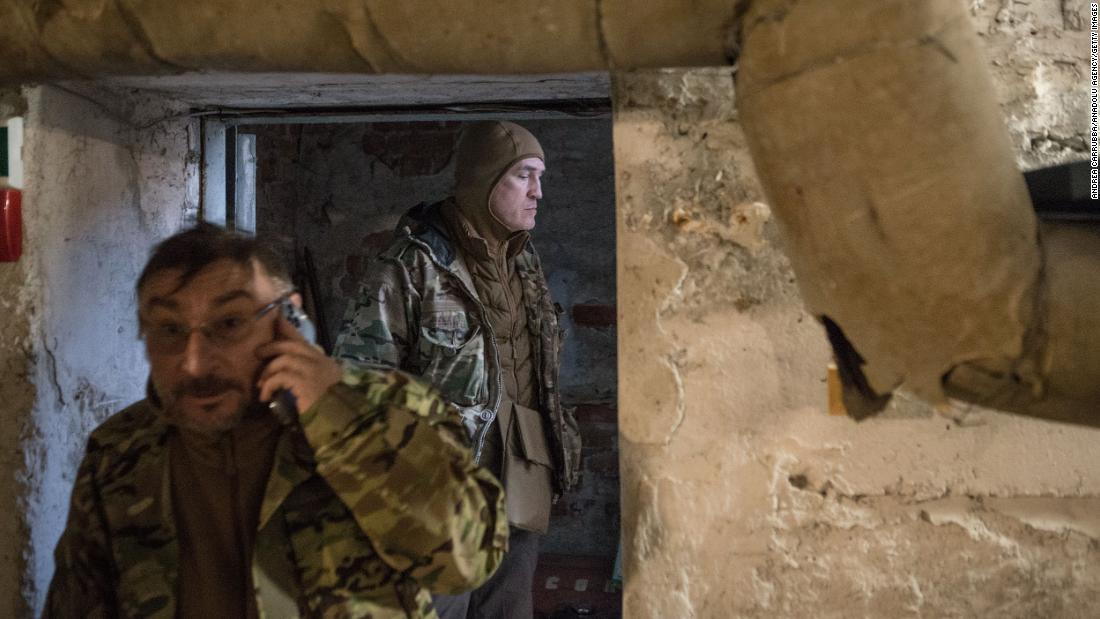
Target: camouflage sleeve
[(375, 329), (396, 454), (82, 581)]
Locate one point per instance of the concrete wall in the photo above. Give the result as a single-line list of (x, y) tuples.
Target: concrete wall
[(340, 189), (742, 497), (107, 174), (1039, 57)]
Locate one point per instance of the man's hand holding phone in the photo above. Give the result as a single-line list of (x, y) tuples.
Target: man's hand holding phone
[(296, 365)]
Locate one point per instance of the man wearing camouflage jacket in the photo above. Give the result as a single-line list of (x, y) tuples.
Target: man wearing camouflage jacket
[(199, 502), (460, 300)]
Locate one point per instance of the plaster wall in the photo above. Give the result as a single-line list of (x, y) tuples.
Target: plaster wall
[(742, 496), (339, 190), (1039, 58), (107, 174)]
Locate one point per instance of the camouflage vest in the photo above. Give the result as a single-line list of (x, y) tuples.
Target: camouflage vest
[(341, 533), (418, 310)]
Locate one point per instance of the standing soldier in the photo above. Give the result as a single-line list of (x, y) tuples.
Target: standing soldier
[(198, 501), (460, 299)]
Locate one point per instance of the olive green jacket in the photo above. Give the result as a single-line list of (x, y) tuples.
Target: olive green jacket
[(418, 310), (371, 504)]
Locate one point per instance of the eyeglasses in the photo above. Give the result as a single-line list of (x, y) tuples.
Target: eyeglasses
[(172, 337)]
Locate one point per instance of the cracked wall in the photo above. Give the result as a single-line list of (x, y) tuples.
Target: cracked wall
[(107, 173), (742, 496)]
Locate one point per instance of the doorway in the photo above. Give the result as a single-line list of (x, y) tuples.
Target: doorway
[(329, 188)]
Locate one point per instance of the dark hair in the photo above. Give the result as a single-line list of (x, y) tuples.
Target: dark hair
[(196, 248)]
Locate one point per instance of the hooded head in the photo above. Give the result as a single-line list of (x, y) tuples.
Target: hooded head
[(485, 152)]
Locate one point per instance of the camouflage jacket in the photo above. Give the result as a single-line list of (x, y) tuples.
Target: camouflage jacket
[(418, 310), (371, 504)]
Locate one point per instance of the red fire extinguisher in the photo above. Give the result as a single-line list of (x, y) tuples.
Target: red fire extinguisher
[(11, 199), (11, 224)]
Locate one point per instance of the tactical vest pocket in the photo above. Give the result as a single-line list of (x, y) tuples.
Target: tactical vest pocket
[(447, 330), (452, 356), (532, 435), (527, 475)]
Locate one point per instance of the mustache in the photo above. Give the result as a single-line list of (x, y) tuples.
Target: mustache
[(206, 386)]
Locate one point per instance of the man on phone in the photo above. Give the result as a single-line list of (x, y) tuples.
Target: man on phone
[(199, 502), (460, 299)]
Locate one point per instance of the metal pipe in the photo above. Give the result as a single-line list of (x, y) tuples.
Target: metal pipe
[(875, 131), (54, 39)]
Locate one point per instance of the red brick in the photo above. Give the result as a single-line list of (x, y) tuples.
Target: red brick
[(597, 413), (578, 582), (593, 315), (374, 243), (410, 149), (604, 464), (599, 435)]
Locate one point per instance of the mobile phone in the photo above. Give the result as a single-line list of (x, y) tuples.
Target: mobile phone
[(284, 405)]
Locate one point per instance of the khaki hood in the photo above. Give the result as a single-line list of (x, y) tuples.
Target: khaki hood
[(485, 152)]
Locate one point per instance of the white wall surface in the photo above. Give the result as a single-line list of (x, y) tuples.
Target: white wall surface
[(107, 174)]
